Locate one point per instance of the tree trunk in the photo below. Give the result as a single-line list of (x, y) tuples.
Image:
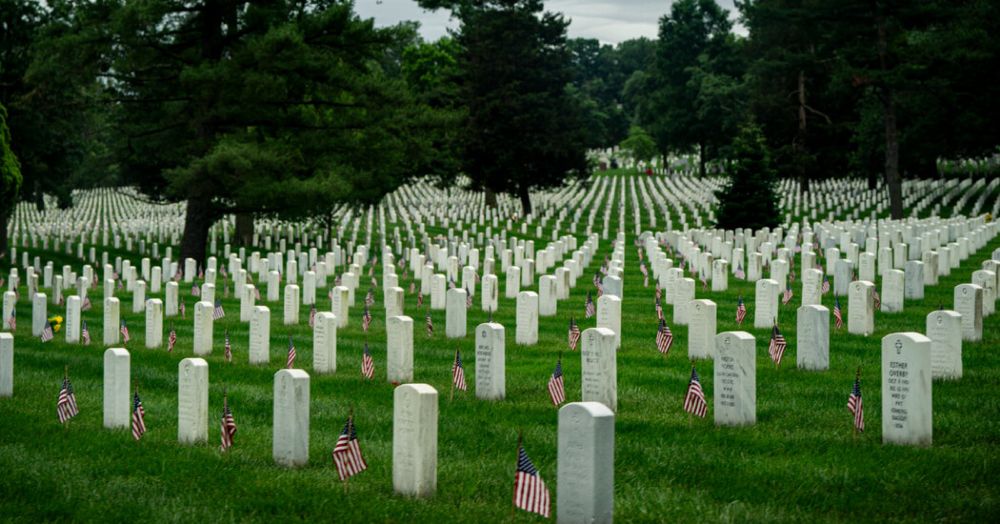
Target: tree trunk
[(198, 219), (872, 179), (798, 146), (491, 198), (244, 229), (522, 192), (701, 159), (892, 178)]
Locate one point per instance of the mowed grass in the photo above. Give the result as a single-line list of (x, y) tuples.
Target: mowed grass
[(800, 462)]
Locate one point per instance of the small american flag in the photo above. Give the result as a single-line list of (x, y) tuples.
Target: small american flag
[(791, 276), (659, 291), (420, 299), (228, 348), (573, 336), (740, 274), (694, 401), (171, 340), (138, 417), (85, 334), (878, 300), (590, 309), (704, 281), (124, 332), (12, 321), (413, 288), (370, 298), (47, 333), (530, 493), (659, 309), (227, 426), (643, 269), (741, 311), (458, 372), (451, 283), (825, 287), (290, 361), (430, 324), (664, 338), (183, 310), (201, 273), (66, 405), (218, 312), (195, 290), (777, 346), (468, 299), (347, 452), (786, 297), (599, 284), (312, 316), (556, 390), (366, 320), (854, 404), (367, 364), (256, 293), (838, 316), (87, 305)]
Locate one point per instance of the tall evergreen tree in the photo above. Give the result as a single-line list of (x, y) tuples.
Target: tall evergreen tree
[(10, 180), (749, 200), (523, 130)]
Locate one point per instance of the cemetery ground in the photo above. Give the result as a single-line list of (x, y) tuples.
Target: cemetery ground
[(801, 461)]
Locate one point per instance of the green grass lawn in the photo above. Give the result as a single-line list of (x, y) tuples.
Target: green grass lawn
[(800, 462)]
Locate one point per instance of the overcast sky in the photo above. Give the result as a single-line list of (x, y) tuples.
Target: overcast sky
[(609, 21)]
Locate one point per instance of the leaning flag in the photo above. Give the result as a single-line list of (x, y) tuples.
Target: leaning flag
[(124, 332), (228, 348), (370, 298), (777, 346), (694, 401), (741, 311), (47, 333), (573, 336), (85, 334), (367, 364), (218, 312), (591, 310), (664, 338), (138, 417), (740, 274), (227, 426), (347, 452), (659, 309), (825, 288), (366, 320), (855, 405), (556, 390), (171, 340), (66, 405), (430, 324), (786, 297), (87, 304), (837, 314), (458, 372), (530, 493)]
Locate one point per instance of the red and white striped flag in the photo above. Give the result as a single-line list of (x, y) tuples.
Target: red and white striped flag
[(346, 454), (47, 333), (877, 299), (228, 348), (855, 405), (557, 391), (838, 316), (366, 320), (171, 340), (777, 346), (66, 405), (694, 400), (458, 372), (530, 493), (124, 332), (367, 364), (741, 311), (227, 426), (420, 299), (312, 316), (573, 336), (218, 312), (85, 334), (430, 324), (590, 309), (786, 297), (825, 287), (290, 361), (664, 338), (138, 417), (659, 309)]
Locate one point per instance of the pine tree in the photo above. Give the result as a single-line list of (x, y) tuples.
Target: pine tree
[(748, 200)]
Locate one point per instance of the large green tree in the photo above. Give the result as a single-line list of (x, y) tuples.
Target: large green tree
[(523, 129), (254, 106), (749, 200), (10, 180)]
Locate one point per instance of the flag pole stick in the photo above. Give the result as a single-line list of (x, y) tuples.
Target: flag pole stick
[(66, 376)]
